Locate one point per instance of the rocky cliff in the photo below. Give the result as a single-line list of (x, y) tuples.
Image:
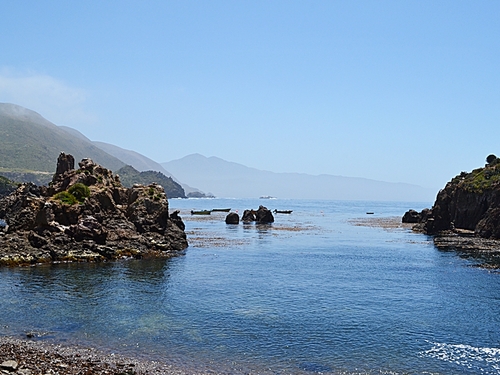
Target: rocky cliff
[(86, 214), (466, 213), (470, 201)]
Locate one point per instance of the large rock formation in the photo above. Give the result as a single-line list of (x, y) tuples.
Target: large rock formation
[(262, 216), (470, 201), (466, 214), (87, 215)]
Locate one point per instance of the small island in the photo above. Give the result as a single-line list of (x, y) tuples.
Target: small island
[(87, 215)]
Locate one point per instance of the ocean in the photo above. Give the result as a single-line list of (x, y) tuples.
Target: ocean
[(335, 287)]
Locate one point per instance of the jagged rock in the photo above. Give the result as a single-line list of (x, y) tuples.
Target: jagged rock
[(264, 215), (65, 163), (470, 201), (411, 216), (232, 218), (248, 216), (107, 222), (176, 219)]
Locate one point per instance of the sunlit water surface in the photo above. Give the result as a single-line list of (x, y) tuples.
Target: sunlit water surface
[(311, 293)]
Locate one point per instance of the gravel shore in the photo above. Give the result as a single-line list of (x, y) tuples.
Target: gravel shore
[(25, 357)]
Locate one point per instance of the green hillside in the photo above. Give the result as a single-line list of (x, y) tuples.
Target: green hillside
[(130, 176), (29, 143), (6, 186)]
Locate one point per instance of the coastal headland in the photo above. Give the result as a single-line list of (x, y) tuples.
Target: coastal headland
[(84, 215), (465, 216)]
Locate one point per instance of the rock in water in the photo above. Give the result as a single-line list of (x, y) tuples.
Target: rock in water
[(248, 216), (232, 218), (87, 215), (470, 201), (264, 215)]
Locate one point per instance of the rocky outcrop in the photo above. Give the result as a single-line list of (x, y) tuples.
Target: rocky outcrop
[(470, 201), (466, 213), (87, 215), (262, 216), (232, 218), (248, 216)]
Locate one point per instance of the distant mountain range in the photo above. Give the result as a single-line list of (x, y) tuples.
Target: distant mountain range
[(227, 179), (30, 145)]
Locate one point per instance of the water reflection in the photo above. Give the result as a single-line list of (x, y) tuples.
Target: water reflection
[(83, 300)]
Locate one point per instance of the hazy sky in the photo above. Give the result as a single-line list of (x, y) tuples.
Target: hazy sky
[(399, 91)]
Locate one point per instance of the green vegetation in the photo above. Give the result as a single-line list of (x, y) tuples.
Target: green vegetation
[(66, 197), (491, 158), (6, 186), (130, 176), (481, 179), (79, 191)]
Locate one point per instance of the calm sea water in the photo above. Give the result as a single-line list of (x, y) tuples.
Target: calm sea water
[(312, 293)]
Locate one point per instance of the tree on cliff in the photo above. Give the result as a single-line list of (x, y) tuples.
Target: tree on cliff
[(491, 158)]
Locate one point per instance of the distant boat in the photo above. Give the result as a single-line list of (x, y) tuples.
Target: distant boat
[(282, 211), (221, 210), (202, 212), (370, 213), (267, 197)]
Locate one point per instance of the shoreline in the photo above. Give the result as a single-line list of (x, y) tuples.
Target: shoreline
[(462, 242), (32, 357)]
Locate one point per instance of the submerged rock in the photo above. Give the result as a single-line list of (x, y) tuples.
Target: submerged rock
[(87, 215)]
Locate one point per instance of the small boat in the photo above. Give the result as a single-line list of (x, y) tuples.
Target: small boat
[(370, 213), (202, 212), (283, 211), (221, 210), (267, 197)]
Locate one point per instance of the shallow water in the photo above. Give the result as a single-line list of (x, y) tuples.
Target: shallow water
[(311, 293)]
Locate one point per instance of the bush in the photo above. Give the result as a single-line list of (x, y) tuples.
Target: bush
[(491, 158), (66, 197), (79, 191)]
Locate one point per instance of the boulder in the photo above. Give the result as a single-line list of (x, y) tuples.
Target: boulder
[(411, 216), (232, 218), (264, 215), (248, 216)]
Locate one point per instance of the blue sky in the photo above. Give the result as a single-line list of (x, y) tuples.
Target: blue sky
[(399, 91)]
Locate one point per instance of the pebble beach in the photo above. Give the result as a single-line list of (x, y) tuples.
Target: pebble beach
[(33, 357)]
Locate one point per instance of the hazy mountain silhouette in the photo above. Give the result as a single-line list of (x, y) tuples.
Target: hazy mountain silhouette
[(139, 162), (233, 180)]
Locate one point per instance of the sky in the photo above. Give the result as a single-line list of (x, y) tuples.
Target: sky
[(397, 91)]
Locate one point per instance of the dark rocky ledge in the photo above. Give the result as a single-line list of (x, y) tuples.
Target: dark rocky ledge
[(86, 214)]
